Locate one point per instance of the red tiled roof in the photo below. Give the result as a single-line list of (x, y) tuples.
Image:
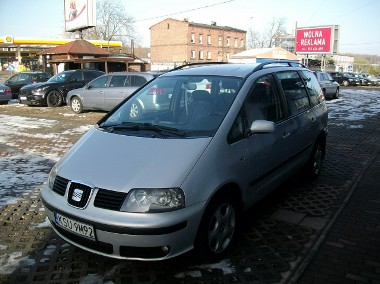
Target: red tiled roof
[(82, 47)]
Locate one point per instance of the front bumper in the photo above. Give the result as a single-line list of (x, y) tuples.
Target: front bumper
[(29, 98), (137, 236)]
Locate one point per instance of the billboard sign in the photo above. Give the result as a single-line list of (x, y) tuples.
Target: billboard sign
[(322, 39), (79, 14)]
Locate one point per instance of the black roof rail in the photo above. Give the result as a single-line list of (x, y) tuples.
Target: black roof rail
[(196, 64), (278, 62)]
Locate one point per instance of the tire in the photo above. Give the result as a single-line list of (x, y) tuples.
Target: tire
[(54, 99), (346, 83), (76, 105), (217, 229), (336, 95), (135, 111), (315, 163)]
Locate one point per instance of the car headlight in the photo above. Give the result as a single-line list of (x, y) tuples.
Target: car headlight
[(40, 89), (51, 177), (144, 200)]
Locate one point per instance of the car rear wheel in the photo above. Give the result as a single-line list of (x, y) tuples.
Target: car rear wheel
[(54, 99), (316, 160), (76, 105), (217, 229), (336, 95)]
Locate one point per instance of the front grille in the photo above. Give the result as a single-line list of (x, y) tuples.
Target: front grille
[(95, 245), (144, 252), (79, 194), (108, 199), (60, 185)]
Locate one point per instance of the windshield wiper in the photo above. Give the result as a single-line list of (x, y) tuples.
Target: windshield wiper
[(144, 126)]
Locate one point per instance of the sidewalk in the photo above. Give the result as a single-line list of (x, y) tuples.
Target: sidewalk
[(350, 252)]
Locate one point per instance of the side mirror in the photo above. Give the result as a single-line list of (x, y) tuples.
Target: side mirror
[(263, 126)]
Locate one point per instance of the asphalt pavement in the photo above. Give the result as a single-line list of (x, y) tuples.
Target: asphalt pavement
[(325, 231)]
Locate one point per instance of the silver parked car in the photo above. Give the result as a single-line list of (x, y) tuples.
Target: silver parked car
[(181, 176), (107, 91), (330, 87)]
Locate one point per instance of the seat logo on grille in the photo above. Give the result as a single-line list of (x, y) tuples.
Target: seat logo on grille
[(77, 195)]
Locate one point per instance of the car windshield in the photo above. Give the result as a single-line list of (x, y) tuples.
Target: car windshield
[(61, 77), (175, 106)]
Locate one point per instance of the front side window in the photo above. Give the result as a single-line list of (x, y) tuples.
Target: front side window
[(263, 101), (100, 82), (137, 81), (295, 91), (77, 76)]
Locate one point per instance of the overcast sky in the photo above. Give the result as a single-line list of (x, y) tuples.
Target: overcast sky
[(359, 21)]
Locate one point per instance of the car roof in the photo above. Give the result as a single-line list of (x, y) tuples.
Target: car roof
[(232, 69)]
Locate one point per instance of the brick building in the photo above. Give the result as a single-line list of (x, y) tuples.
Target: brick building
[(174, 42)]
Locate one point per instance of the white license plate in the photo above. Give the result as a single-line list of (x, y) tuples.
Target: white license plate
[(75, 226), (22, 98)]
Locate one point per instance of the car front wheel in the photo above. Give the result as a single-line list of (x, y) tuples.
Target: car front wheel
[(135, 110), (346, 83), (54, 99), (76, 105), (217, 229)]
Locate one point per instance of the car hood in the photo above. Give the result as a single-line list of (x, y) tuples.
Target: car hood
[(40, 85), (120, 162)]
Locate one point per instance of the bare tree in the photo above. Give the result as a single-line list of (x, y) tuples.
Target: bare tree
[(266, 37), (113, 23)]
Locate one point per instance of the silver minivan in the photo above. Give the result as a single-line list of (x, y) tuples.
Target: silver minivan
[(181, 176)]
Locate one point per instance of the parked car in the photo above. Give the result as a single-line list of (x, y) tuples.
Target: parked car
[(17, 81), (53, 92), (372, 80), (182, 176), (107, 91), (329, 86), (363, 80), (345, 79), (5, 94)]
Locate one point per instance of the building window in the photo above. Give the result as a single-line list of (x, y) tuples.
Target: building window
[(208, 39), (168, 26), (192, 38), (208, 54), (241, 43), (236, 42), (200, 39), (220, 40), (228, 41), (200, 54), (192, 54), (227, 55)]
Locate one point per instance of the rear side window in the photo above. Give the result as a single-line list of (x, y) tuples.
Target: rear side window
[(295, 91), (88, 76), (313, 87), (77, 75), (137, 81), (117, 81)]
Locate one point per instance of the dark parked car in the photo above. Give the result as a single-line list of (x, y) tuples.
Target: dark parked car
[(329, 86), (17, 81), (345, 79), (107, 91), (5, 94), (53, 92)]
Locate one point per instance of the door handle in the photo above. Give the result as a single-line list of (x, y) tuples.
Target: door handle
[(286, 135)]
